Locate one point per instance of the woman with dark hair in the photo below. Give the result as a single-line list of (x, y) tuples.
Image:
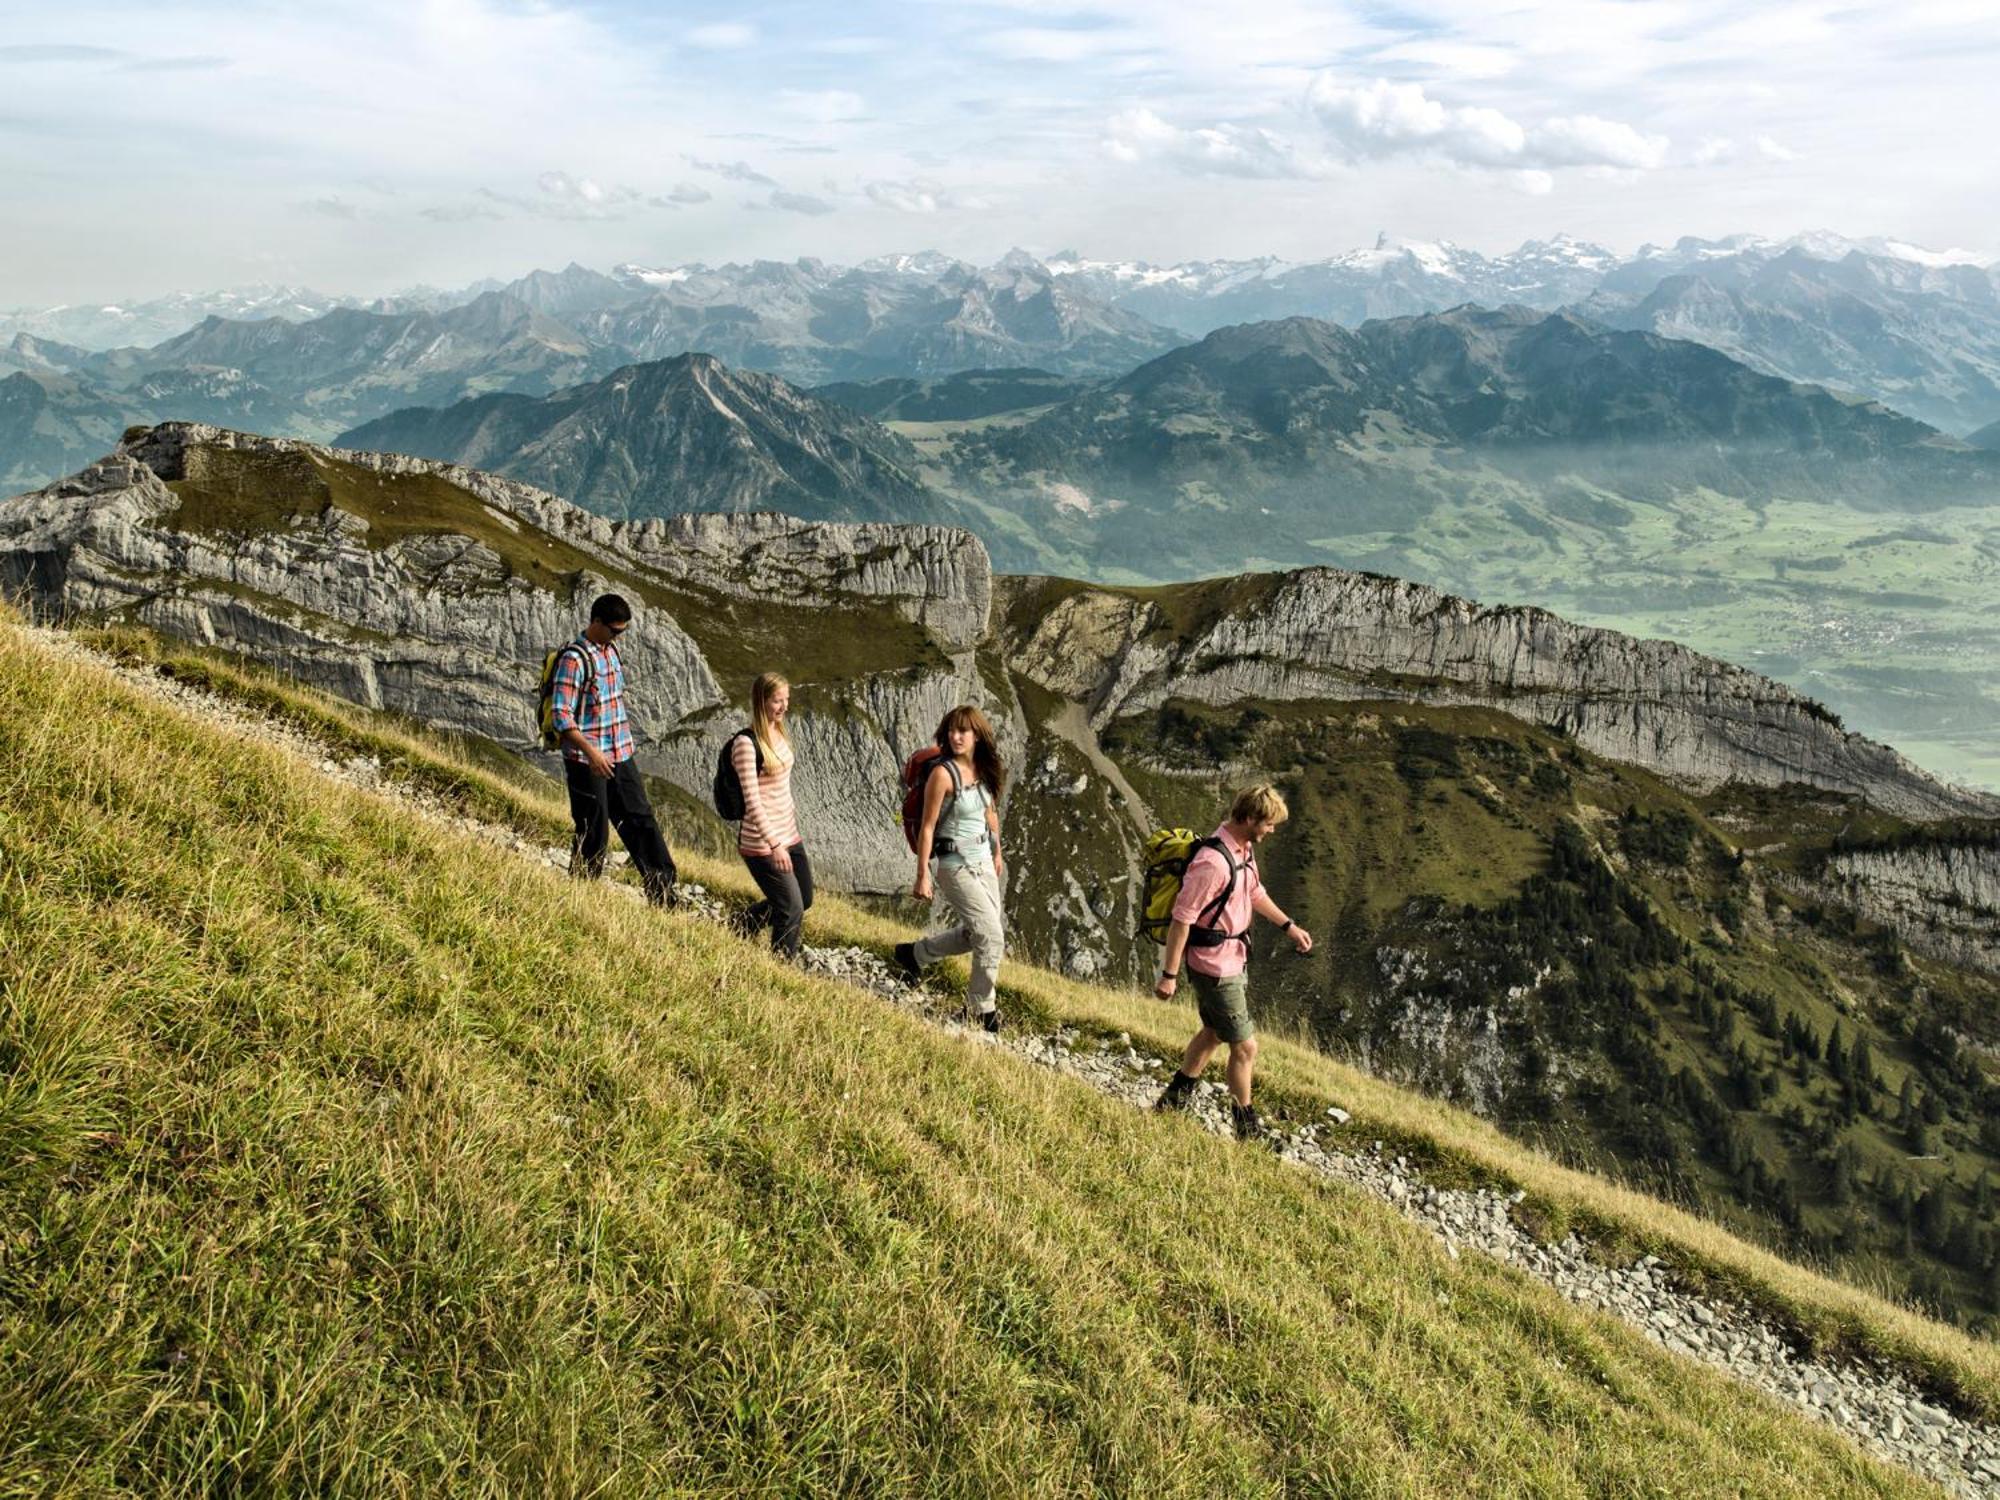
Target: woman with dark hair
[(958, 857), (768, 837)]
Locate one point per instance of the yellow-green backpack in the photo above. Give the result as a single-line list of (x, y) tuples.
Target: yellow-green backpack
[(1165, 857), (545, 716)]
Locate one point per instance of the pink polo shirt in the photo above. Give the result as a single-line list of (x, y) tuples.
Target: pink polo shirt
[(1206, 875)]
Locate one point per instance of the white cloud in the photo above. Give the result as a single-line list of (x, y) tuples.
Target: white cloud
[(918, 196), (48, 52), (1535, 182), (825, 106), (689, 192), (568, 189), (561, 195), (1592, 141), (330, 207), (1451, 59), (1714, 150), (724, 36), (799, 203), (1221, 150), (1388, 119), (1775, 151), (459, 213), (733, 171), (1384, 119)]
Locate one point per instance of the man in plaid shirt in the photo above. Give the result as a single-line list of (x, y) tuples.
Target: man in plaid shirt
[(587, 703)]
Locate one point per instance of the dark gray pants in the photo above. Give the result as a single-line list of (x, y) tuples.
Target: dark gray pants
[(788, 896), (597, 804)]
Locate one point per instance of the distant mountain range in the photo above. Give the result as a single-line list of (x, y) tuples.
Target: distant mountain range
[(1915, 329), (1286, 433), (1919, 336), (112, 325), (807, 321), (1394, 278), (1292, 431)]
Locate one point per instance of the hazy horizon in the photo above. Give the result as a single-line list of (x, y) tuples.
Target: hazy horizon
[(362, 147)]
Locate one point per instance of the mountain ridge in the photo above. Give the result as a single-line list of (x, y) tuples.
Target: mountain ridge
[(1918, 330), (1484, 797), (685, 434)]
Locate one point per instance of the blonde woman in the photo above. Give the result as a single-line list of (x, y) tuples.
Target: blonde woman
[(768, 837), (958, 857)]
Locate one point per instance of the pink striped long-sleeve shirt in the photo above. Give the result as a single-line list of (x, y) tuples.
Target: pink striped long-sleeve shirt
[(768, 820)]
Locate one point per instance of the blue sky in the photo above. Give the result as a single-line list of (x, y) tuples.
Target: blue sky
[(366, 146)]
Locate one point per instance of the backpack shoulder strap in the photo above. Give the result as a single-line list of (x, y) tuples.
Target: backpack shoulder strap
[(1212, 913), (947, 763)]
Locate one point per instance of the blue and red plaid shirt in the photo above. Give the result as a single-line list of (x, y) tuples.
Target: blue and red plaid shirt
[(601, 714)]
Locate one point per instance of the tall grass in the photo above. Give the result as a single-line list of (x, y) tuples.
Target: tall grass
[(338, 1153), (1829, 1315)]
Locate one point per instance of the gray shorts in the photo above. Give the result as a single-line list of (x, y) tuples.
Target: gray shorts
[(1224, 1005)]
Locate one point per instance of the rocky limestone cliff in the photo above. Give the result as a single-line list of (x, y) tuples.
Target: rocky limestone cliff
[(1943, 897), (1324, 634), (434, 591)]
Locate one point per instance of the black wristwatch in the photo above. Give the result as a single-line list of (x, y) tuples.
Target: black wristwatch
[(1289, 924)]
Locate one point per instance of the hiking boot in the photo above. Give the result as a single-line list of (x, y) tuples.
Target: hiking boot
[(990, 1019), (1179, 1094), (906, 962), (1247, 1124)]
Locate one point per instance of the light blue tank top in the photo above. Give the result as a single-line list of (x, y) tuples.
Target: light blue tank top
[(962, 819)]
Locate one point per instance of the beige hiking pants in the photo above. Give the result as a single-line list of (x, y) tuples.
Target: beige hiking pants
[(972, 894)]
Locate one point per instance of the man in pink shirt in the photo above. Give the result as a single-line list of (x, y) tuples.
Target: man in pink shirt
[(1211, 927)]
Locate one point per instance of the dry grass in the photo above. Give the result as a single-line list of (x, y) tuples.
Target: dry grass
[(340, 1153), (1828, 1314)]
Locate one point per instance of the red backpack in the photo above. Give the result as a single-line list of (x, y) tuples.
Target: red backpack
[(916, 773)]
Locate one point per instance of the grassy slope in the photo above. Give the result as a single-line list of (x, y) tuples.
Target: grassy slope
[(338, 1151), (1361, 852)]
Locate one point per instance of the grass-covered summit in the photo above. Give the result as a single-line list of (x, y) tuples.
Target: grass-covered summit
[(342, 1152)]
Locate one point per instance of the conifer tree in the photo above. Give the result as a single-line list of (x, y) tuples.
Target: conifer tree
[(1932, 1211)]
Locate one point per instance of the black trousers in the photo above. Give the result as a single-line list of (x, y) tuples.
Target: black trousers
[(597, 804), (788, 895)]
